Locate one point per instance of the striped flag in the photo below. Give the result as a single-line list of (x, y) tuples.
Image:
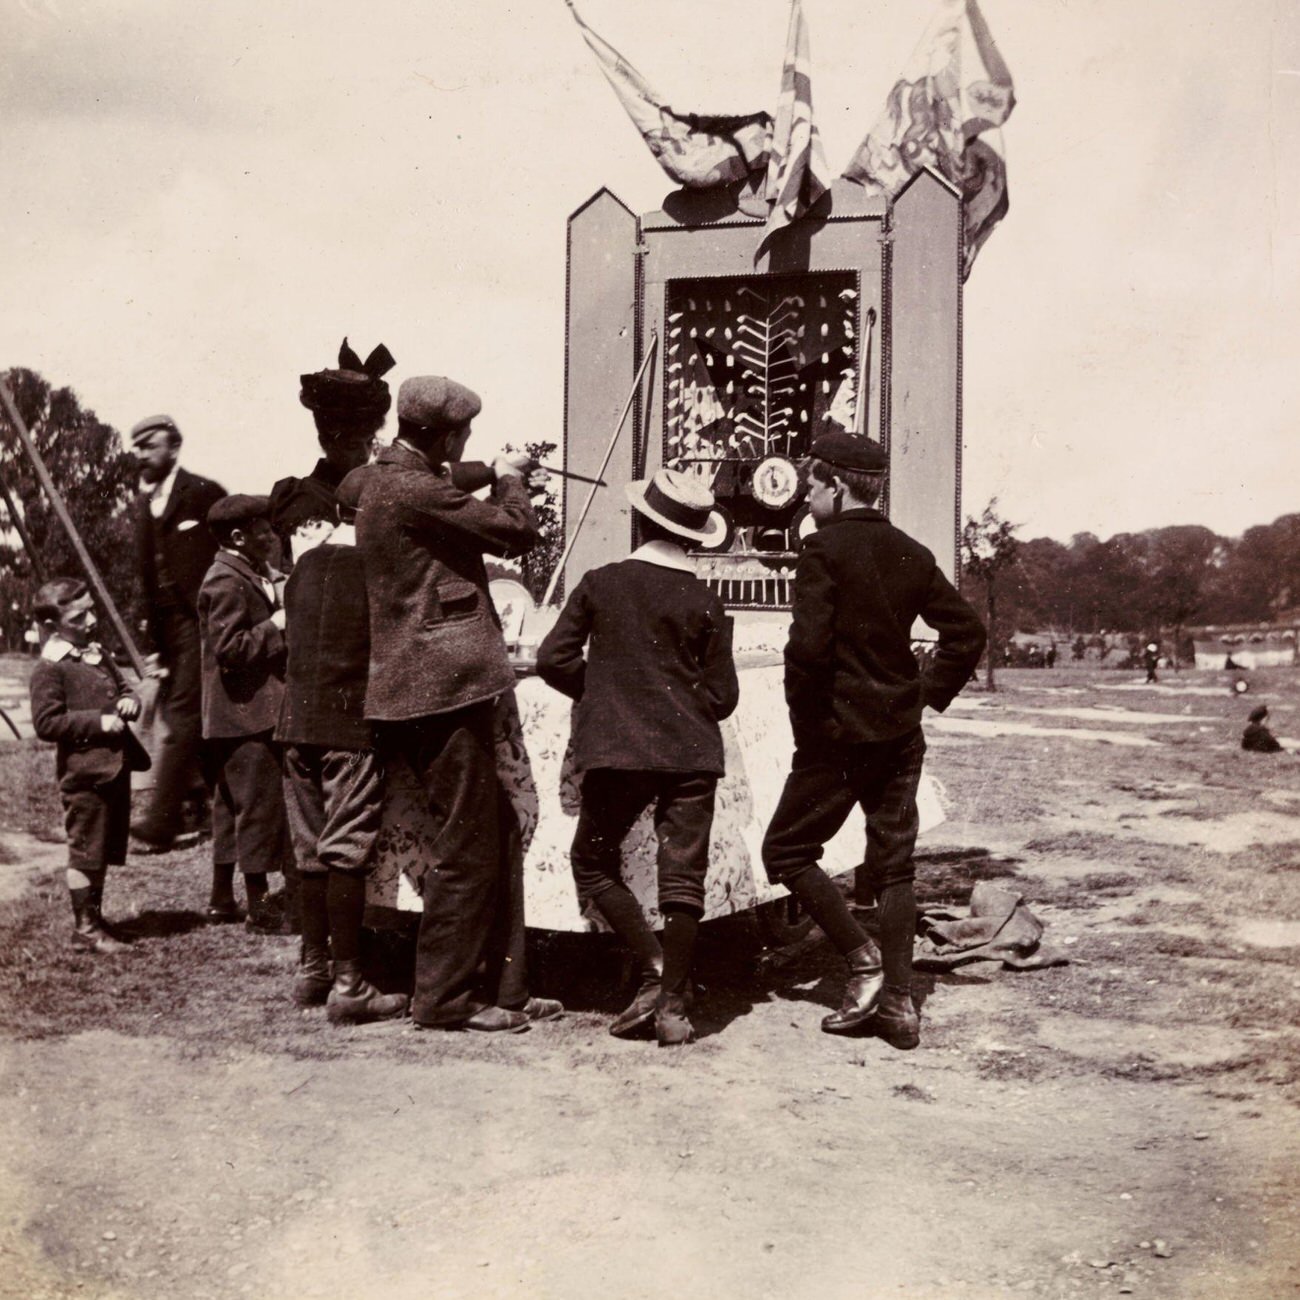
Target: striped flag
[(945, 112), (797, 175), (696, 150)]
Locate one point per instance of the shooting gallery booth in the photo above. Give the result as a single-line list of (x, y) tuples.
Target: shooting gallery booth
[(736, 353)]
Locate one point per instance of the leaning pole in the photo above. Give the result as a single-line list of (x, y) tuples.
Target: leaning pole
[(61, 510)]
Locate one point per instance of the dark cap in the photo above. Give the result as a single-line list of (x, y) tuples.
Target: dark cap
[(850, 451), (146, 426), (1259, 713), (355, 388), (237, 511), (435, 402)]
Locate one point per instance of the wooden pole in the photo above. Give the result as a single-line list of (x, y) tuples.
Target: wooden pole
[(38, 569), (604, 464), (61, 510)]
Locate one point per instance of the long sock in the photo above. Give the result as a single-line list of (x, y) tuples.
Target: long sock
[(255, 886), (623, 913), (681, 924), (95, 880), (315, 917), (223, 884), (80, 903), (347, 906), (821, 896), (897, 931)]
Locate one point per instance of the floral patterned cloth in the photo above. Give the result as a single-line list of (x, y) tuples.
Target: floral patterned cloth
[(535, 765)]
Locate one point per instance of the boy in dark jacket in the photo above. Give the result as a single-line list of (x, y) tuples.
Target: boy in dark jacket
[(333, 782), (657, 679), (81, 703), (855, 694), (241, 624)]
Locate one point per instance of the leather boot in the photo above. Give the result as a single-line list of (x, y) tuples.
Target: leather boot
[(354, 1000), (641, 1010), (89, 934), (896, 1020), (312, 980), (861, 993), (672, 1027)]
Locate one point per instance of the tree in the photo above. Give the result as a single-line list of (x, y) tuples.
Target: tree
[(988, 549), (94, 475), (1180, 564), (538, 565)]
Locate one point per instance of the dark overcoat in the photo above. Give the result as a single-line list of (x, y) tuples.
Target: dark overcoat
[(658, 675), (435, 643), (243, 651), (327, 631), (69, 697), (850, 674), (181, 535)]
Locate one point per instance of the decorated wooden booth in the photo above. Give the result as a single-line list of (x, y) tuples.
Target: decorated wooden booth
[(692, 343)]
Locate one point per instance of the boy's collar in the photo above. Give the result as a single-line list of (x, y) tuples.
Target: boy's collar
[(58, 648), (667, 555)]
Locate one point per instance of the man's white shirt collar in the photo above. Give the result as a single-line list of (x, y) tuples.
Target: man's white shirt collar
[(159, 496), (665, 554)]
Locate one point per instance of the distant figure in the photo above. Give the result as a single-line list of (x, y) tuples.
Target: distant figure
[(1079, 650), (1151, 660), (1257, 738), (1051, 655)]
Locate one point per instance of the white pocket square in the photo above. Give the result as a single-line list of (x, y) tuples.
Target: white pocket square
[(186, 523)]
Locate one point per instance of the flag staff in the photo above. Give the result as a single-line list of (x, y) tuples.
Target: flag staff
[(61, 510), (600, 473)]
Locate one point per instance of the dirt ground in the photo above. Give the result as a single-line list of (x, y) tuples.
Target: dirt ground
[(1124, 1124)]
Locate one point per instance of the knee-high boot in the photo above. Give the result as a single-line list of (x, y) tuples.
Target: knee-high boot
[(623, 914)]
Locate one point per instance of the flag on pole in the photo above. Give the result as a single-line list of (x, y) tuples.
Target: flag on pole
[(945, 112), (696, 150), (797, 175)]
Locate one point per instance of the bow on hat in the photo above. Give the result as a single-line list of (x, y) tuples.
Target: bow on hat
[(356, 386)]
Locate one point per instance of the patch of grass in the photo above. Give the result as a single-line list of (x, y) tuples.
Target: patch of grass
[(29, 795)]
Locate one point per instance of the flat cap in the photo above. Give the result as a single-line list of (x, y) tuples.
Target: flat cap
[(435, 402), (151, 422), (1259, 713), (850, 451), (237, 511)]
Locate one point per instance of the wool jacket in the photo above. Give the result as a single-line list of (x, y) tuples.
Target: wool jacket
[(658, 675), (435, 643), (181, 535), (243, 651), (327, 633), (70, 694), (850, 675)]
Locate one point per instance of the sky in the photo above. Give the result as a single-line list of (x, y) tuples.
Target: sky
[(201, 201)]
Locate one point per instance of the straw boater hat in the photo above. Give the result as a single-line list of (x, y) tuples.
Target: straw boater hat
[(680, 503)]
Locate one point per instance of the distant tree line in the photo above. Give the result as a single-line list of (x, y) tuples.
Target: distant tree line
[(1155, 583)]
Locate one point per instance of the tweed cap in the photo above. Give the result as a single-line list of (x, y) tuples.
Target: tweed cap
[(850, 451), (141, 430), (238, 511), (356, 387), (435, 402)]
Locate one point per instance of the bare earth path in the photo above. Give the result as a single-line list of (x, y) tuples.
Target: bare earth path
[(1122, 1125)]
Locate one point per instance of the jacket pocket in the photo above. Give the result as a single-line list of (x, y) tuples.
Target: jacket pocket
[(457, 601)]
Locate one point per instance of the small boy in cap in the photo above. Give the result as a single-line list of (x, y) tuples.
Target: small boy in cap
[(1257, 738), (333, 781), (855, 694), (241, 624), (657, 678), (81, 703)]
